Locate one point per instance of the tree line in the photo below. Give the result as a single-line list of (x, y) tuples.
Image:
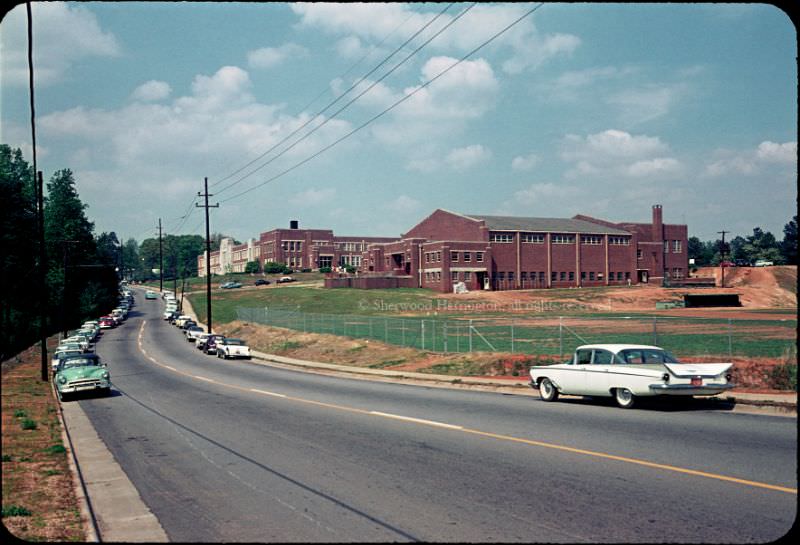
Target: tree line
[(83, 269), (761, 245)]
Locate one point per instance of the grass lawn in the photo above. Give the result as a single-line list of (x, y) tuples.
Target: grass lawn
[(39, 502)]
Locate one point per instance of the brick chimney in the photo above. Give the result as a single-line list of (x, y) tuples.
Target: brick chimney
[(658, 223)]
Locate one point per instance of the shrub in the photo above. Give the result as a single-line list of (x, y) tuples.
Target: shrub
[(271, 267), (325, 269), (20, 413), (7, 458), (15, 511), (56, 449), (306, 270), (28, 424), (784, 377)]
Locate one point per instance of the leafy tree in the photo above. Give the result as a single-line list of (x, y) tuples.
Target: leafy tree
[(251, 267), (788, 246)]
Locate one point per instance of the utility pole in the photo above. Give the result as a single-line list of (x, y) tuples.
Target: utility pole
[(160, 260), (722, 257), (43, 303), (208, 251)]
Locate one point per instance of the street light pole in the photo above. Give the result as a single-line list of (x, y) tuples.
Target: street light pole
[(208, 252)]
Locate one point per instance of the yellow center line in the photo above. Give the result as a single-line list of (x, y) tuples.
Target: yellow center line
[(496, 436)]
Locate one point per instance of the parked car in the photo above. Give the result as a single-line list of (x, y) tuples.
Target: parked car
[(284, 279), (200, 340), (741, 262), (210, 346), (168, 314), (628, 371), (232, 348), (261, 282), (763, 263), (187, 324), (230, 285), (81, 373), (58, 355), (181, 319), (150, 295), (107, 322), (192, 332)]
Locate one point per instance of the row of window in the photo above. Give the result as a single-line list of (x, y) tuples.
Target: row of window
[(455, 257), (539, 238), (560, 276), (292, 246)]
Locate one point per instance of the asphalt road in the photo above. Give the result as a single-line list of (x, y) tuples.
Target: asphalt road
[(235, 451)]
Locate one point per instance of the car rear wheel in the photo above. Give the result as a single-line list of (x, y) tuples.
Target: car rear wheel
[(547, 390), (624, 398)]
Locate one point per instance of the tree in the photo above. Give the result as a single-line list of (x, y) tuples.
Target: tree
[(788, 245), (251, 267)]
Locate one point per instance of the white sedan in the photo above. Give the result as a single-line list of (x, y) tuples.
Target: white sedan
[(628, 371)]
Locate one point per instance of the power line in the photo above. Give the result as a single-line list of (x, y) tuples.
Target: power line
[(331, 104), (390, 108)]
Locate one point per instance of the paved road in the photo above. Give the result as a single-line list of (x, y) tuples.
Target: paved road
[(233, 451)]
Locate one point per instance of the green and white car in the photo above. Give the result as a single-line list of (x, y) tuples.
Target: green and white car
[(81, 373)]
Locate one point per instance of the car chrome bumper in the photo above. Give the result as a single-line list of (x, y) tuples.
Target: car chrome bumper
[(688, 389)]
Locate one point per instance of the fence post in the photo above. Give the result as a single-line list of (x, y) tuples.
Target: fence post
[(444, 334), (560, 338), (655, 330), (730, 338), (422, 330), (512, 335), (403, 331)]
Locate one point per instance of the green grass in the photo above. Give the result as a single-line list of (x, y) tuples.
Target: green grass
[(15, 511)]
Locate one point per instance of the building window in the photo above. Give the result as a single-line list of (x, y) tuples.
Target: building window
[(438, 257), (467, 257), (619, 241), (562, 239), (533, 238), (583, 275), (627, 275), (439, 276), (427, 257), (501, 275), (541, 277), (467, 276), (501, 237), (591, 276), (454, 257), (571, 276), (454, 276), (591, 239), (479, 257), (511, 276), (553, 276), (676, 246), (639, 253), (523, 275), (677, 272), (562, 276)]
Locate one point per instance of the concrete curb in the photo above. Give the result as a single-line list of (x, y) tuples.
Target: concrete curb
[(780, 403), (87, 514)]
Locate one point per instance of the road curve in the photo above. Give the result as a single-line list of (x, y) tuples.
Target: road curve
[(233, 451)]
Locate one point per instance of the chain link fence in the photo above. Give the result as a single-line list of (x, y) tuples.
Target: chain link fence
[(554, 336)]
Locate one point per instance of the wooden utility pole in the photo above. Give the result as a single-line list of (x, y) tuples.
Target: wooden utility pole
[(43, 302), (160, 260), (722, 257), (208, 251)]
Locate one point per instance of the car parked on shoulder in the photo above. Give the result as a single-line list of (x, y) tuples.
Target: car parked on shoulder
[(230, 285), (187, 324), (81, 373), (179, 321), (232, 348), (107, 322), (627, 372), (261, 282), (200, 340), (62, 353), (210, 345), (763, 263), (284, 279), (192, 332)]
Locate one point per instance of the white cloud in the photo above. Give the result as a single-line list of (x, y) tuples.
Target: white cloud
[(64, 34), (269, 57), (751, 162), (403, 205), (619, 154), (525, 162), (313, 197), (536, 193), (778, 153), (152, 91), (467, 157), (648, 102), (528, 48)]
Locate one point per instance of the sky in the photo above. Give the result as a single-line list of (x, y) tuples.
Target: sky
[(595, 109)]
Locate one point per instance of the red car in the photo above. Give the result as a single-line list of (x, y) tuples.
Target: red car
[(106, 322)]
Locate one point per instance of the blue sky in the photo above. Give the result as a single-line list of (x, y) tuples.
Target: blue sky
[(599, 109)]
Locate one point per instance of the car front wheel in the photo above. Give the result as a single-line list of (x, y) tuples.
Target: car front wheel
[(547, 390), (624, 398)]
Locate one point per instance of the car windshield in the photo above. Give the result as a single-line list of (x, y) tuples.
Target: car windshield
[(79, 362), (645, 355), (237, 342)]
